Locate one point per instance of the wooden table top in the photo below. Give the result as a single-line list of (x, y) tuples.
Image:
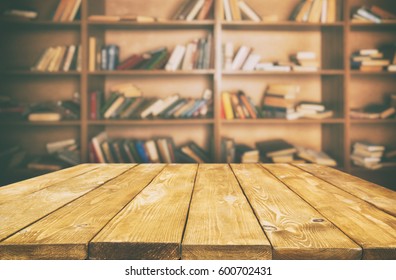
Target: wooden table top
[(191, 211)]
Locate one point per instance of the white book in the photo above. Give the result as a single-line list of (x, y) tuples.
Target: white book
[(227, 10), (149, 110), (175, 58), (79, 58), (165, 104), (248, 11), (240, 57), (251, 62), (69, 57), (228, 55), (152, 151), (263, 65), (96, 143), (194, 11), (52, 147), (323, 16), (188, 61), (306, 55)]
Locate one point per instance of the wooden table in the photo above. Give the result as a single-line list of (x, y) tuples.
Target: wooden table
[(209, 211)]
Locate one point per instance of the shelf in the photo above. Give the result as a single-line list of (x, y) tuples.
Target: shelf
[(153, 72), (282, 121), (278, 25), (166, 24), (50, 123), (384, 26), (39, 73), (39, 23), (376, 121), (152, 122), (291, 73), (364, 73)]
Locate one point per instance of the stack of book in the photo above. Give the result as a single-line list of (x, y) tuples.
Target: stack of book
[(236, 10), (276, 150), (67, 10), (279, 101), (370, 60), (305, 61), (132, 105), (59, 58), (367, 155), (314, 156), (374, 14), (61, 154), (160, 149), (315, 11), (237, 106), (246, 154), (10, 109), (194, 10), (373, 111), (313, 110), (22, 14), (53, 111)]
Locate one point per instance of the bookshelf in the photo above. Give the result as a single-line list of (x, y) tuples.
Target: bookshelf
[(335, 84)]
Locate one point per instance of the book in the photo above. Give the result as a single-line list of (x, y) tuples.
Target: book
[(315, 12), (227, 10), (373, 111), (368, 146), (248, 11), (204, 13), (251, 62), (53, 147), (235, 11), (318, 157), (240, 57), (226, 102), (383, 14), (97, 146), (92, 54), (227, 150), (21, 13), (175, 58), (275, 147), (195, 10), (246, 154), (304, 11), (44, 117)]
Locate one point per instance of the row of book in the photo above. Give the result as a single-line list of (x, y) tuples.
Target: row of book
[(59, 58), (195, 55), (194, 10), (376, 59), (279, 101), (121, 105), (372, 156), (236, 10), (67, 10), (160, 149), (374, 14), (273, 150), (246, 60), (315, 11), (60, 154), (375, 110)]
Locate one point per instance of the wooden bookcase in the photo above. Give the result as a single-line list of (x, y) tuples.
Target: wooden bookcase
[(335, 84)]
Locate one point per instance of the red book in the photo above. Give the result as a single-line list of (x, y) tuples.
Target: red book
[(130, 62), (222, 113), (92, 105)]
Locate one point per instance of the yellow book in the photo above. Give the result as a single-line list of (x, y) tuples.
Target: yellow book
[(226, 99), (92, 54), (236, 13), (331, 11), (302, 15), (316, 9)]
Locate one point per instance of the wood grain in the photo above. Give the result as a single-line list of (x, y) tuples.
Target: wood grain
[(65, 234), (371, 228), (152, 224), (302, 234), (383, 198), (19, 189), (221, 223), (15, 215)]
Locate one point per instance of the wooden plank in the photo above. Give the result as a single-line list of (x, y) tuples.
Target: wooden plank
[(221, 223), (151, 225), (15, 215), (302, 234), (16, 190), (371, 228), (65, 234), (383, 198)]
